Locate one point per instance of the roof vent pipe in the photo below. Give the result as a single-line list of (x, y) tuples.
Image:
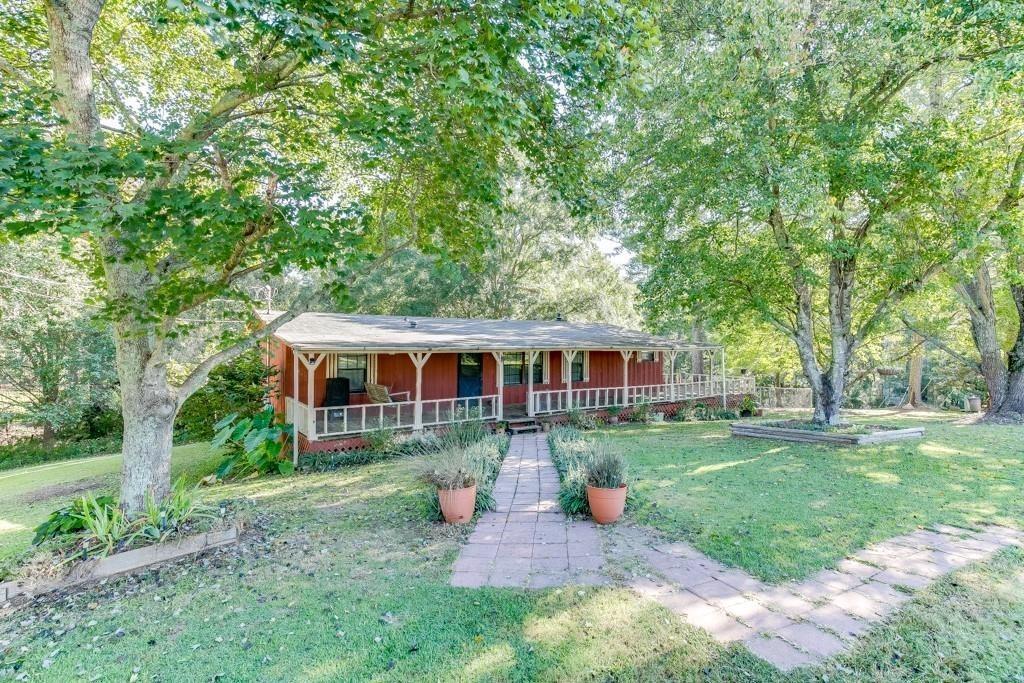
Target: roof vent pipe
[(412, 323), (558, 317)]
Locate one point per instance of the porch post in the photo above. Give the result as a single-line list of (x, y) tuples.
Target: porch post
[(531, 357), (625, 375), (724, 392), (567, 357), (419, 359), (295, 405), (310, 381), (671, 372), (499, 379)]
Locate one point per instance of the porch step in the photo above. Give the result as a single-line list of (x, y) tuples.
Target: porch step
[(523, 425), (523, 428)]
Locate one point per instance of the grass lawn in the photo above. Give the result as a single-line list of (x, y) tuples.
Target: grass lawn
[(785, 510), (344, 580)]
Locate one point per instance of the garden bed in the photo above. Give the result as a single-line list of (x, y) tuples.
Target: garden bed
[(807, 432)]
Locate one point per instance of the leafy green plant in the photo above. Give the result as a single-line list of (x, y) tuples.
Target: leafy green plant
[(254, 445), (641, 412), (570, 452), (614, 411), (702, 412), (452, 468), (105, 525), (747, 405), (381, 441), (581, 420), (70, 519), (161, 520)]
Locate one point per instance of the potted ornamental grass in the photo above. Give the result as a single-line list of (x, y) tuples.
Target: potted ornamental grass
[(613, 414), (606, 484), (455, 472)]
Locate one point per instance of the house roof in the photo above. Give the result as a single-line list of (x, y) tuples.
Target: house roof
[(339, 331)]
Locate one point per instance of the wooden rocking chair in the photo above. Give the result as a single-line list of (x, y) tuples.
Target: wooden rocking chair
[(379, 393)]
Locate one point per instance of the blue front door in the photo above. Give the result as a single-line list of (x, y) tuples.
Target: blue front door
[(471, 374)]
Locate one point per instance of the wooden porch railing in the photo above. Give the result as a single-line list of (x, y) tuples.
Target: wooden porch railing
[(699, 386), (336, 421)]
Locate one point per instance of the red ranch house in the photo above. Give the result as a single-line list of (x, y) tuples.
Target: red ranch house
[(341, 375)]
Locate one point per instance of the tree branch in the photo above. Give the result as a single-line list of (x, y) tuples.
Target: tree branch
[(941, 345), (201, 372)]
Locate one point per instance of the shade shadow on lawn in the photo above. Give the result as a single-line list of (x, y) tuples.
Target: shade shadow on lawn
[(784, 510)]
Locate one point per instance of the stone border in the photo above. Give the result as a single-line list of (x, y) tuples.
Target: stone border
[(753, 430), (125, 562)]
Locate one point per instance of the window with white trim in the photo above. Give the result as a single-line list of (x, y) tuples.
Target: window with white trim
[(540, 368), (513, 369), (354, 366), (647, 357)]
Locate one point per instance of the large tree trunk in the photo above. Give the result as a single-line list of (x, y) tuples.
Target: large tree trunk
[(149, 403), (976, 294), (915, 372), (1013, 401)]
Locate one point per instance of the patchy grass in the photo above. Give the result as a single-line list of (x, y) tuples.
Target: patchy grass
[(784, 510), (346, 580)]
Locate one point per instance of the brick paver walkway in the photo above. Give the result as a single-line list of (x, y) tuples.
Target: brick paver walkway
[(804, 622), (528, 541)]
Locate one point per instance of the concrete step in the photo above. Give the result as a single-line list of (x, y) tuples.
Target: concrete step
[(523, 427)]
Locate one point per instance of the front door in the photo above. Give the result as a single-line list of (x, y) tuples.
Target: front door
[(471, 374)]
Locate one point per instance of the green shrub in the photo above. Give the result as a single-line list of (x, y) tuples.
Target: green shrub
[(747, 405), (702, 413), (240, 387), (34, 451), (382, 441), (581, 420), (570, 451), (641, 412), (253, 445)]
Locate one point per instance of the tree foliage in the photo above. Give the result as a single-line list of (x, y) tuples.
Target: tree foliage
[(191, 146), (786, 161)]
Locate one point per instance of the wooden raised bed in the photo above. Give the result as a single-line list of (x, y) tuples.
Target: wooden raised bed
[(757, 431)]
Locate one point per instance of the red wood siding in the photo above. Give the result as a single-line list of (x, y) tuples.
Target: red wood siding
[(440, 375)]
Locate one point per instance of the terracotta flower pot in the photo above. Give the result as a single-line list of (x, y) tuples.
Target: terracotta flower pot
[(457, 505), (606, 505)]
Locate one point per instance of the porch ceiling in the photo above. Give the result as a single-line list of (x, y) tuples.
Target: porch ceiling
[(380, 333)]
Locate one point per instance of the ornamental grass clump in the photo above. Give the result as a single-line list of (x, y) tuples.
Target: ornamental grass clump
[(459, 467), (606, 469)]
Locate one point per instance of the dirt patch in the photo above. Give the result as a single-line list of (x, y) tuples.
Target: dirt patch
[(66, 489)]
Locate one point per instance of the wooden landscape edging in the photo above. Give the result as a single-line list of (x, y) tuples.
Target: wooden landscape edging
[(126, 562), (756, 431)]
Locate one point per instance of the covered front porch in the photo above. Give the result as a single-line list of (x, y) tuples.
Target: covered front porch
[(423, 386)]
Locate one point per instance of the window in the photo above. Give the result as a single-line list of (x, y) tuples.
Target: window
[(577, 366), (538, 369), (352, 366), (513, 371), (646, 357)]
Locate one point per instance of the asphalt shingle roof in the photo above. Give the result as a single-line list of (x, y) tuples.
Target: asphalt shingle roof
[(330, 331)]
